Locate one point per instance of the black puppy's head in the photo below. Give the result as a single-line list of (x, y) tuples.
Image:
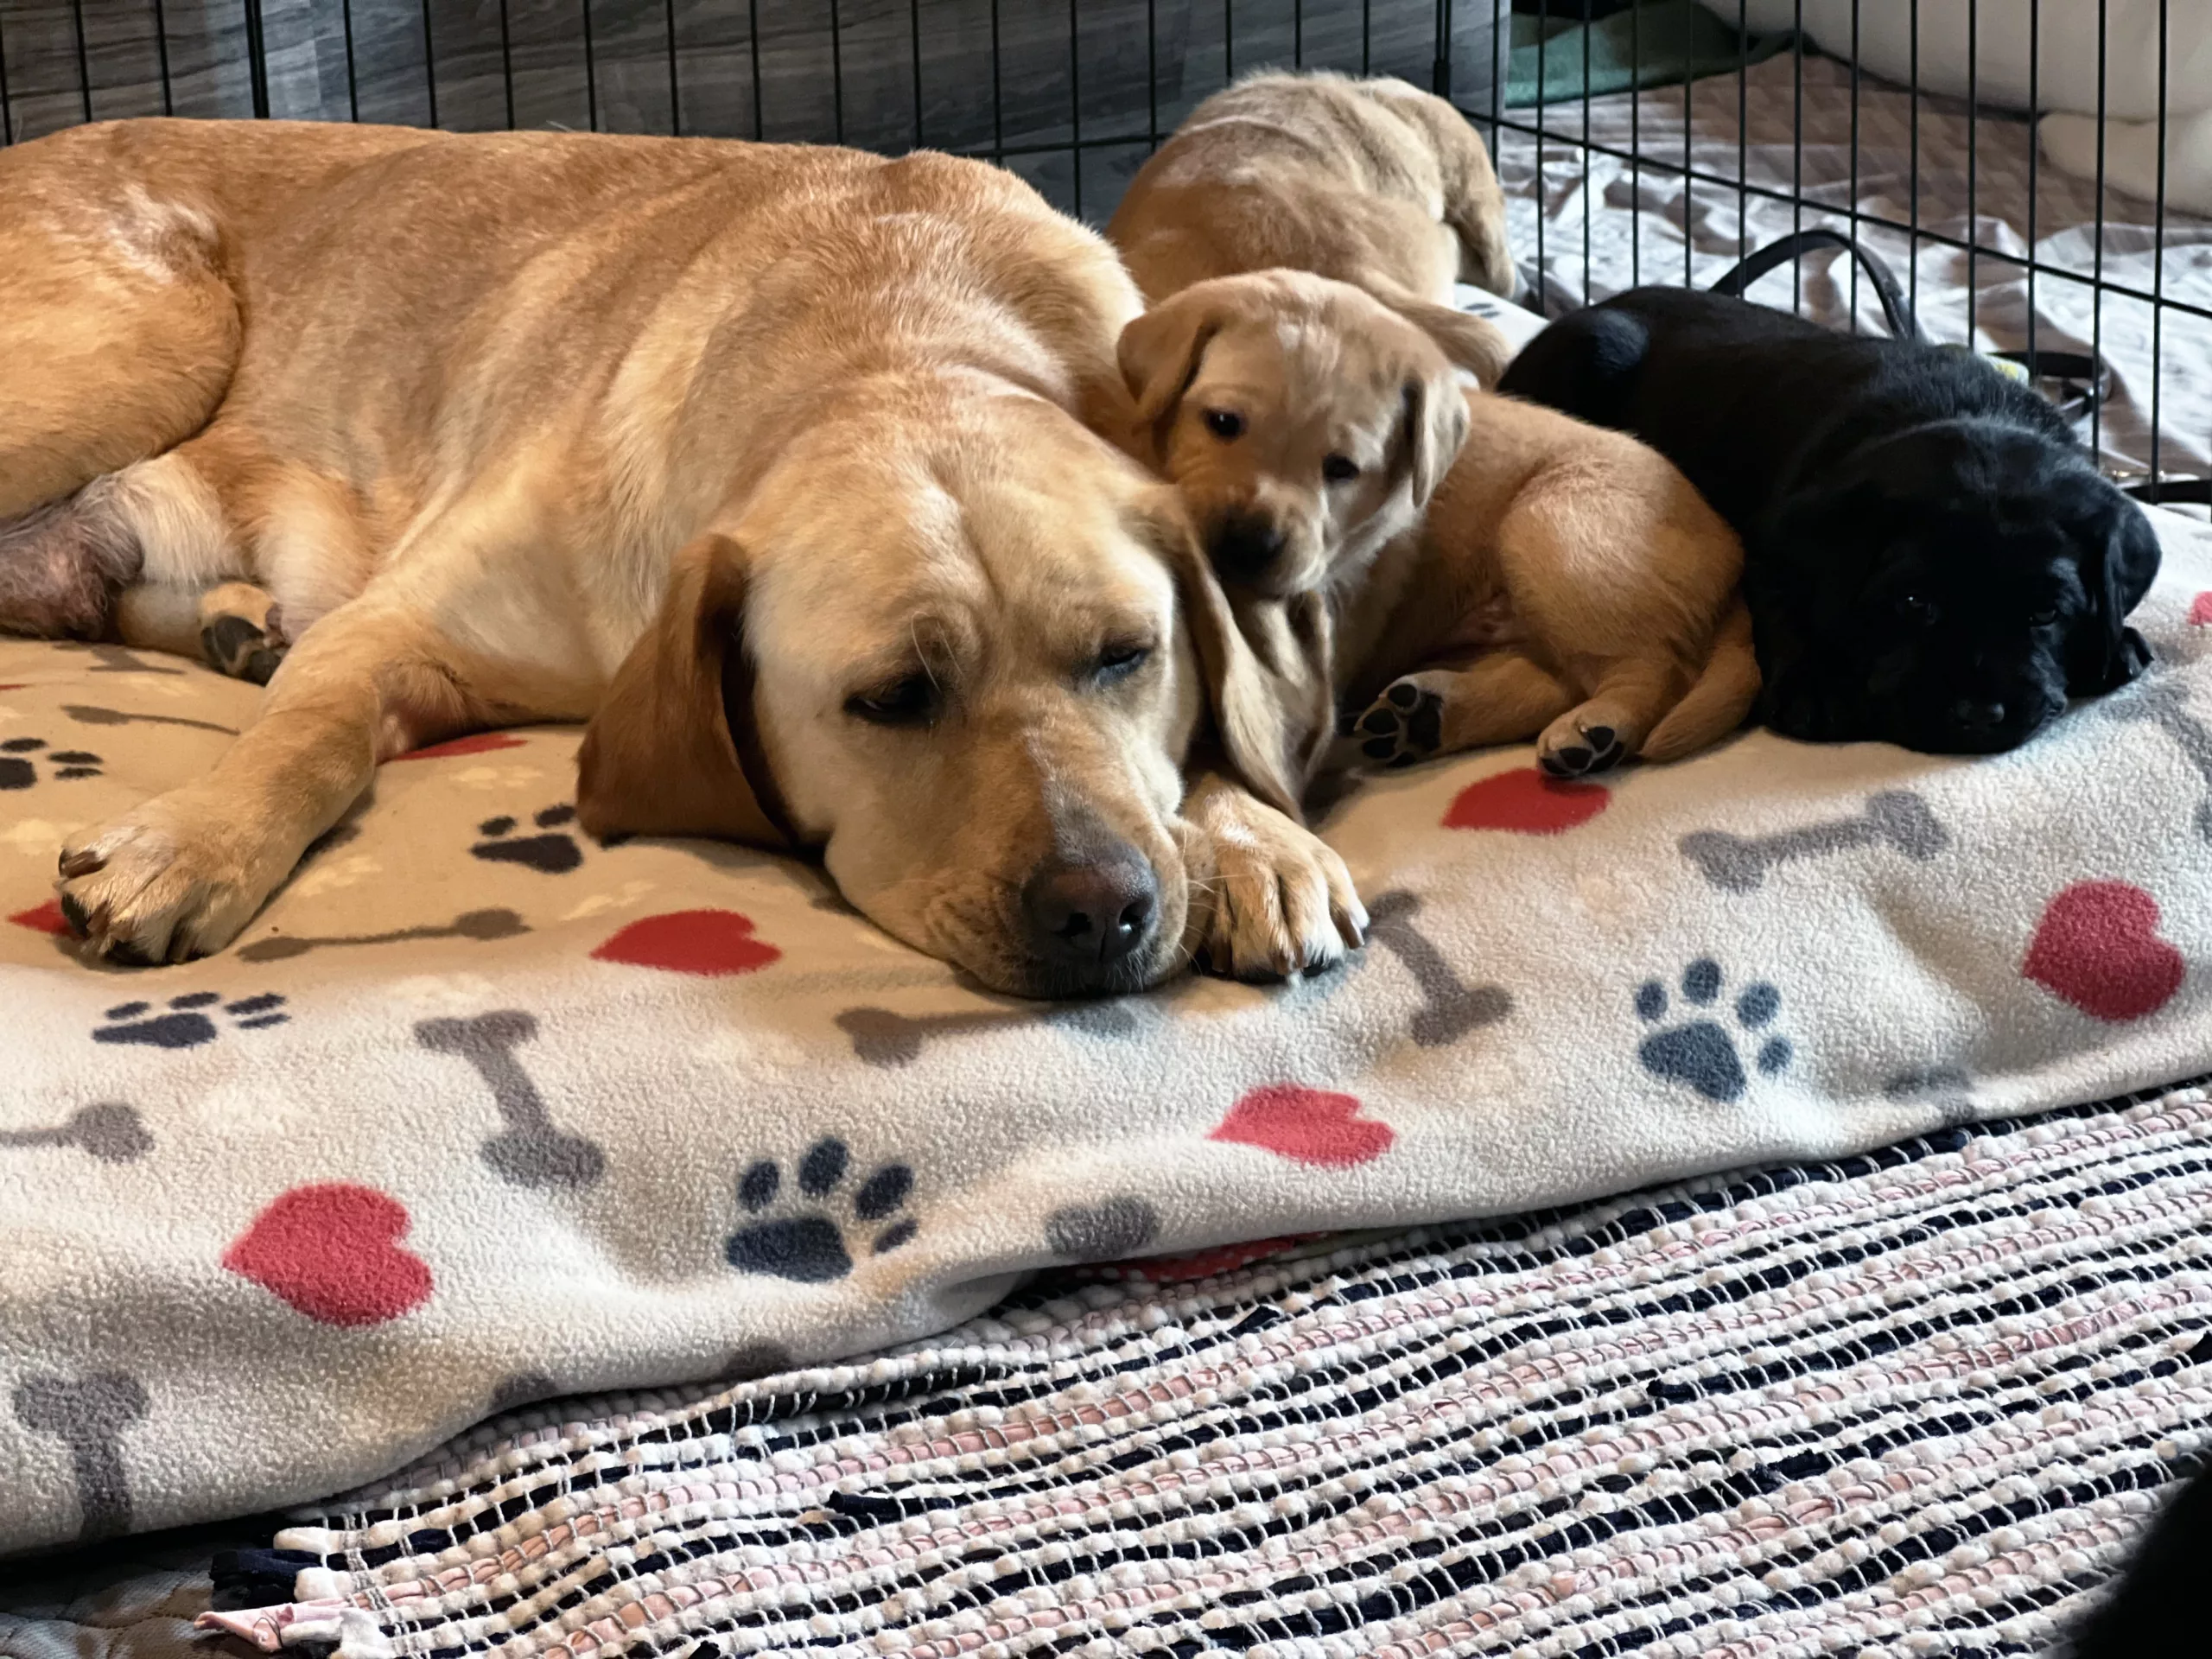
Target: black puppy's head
[(1948, 588)]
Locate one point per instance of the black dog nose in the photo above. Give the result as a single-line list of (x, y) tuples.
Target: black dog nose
[(1979, 714), (1085, 919), (1244, 546)]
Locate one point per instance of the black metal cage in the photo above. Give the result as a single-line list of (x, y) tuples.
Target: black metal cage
[(1637, 140)]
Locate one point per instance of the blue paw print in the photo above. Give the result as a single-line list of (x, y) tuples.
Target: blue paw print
[(1700, 1052), (812, 1248)]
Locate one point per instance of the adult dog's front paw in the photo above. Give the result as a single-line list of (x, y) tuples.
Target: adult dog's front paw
[(171, 881), (1280, 901)]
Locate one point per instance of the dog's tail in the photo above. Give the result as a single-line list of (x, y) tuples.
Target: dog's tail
[(1472, 343), (1719, 699)]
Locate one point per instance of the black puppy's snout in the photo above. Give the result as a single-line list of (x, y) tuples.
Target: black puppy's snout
[(1086, 919), (1979, 714), (1244, 545)]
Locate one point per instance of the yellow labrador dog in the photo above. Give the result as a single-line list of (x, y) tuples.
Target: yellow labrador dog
[(1556, 581), (1373, 183), (769, 461)]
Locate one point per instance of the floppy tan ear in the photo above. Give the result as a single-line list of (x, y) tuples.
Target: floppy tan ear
[(1160, 352), (673, 750), (1436, 429), (1271, 707)]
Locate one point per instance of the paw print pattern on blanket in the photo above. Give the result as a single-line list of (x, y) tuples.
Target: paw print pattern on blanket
[(189, 1021), (1700, 1051), (812, 1248), (552, 851), (20, 759)]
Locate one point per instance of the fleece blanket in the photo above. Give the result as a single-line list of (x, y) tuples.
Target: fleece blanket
[(478, 1112)]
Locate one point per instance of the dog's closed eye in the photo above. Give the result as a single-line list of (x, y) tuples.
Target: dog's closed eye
[(1917, 609), (911, 700), (1119, 660)]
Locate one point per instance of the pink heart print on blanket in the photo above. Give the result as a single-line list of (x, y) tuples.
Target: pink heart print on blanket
[(2098, 947)]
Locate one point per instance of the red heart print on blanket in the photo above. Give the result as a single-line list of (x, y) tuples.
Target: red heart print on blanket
[(2200, 610), (477, 743), (1526, 801), (1309, 1126), (331, 1251), (709, 941), (43, 919), (2098, 947)]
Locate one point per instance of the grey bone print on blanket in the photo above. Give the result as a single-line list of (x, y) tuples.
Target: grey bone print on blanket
[(1450, 1007), (91, 714), (479, 925), (2165, 704), (883, 1037), (530, 1151), (88, 1415), (1895, 818), (107, 1131)]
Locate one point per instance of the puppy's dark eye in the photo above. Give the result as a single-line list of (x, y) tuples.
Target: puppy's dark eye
[(2044, 618), (1118, 662), (1914, 608), (1225, 424), (913, 701), (1339, 469)]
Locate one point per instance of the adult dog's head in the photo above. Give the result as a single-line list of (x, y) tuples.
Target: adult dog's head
[(960, 645), (1948, 588), (1304, 423)]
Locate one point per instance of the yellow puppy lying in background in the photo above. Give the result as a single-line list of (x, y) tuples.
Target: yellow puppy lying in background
[(1567, 583), (1373, 183)]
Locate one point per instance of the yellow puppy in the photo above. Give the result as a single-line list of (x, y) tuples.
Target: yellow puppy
[(1566, 582), (1372, 182)]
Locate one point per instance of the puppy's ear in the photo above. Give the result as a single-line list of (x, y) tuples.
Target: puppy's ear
[(1436, 427), (1160, 354), (1270, 714), (2105, 653), (673, 750)]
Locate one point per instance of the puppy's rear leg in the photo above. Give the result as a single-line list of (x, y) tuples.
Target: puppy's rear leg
[(1629, 699), (1503, 696), (234, 626)]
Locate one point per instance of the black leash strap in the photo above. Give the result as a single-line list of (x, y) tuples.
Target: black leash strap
[(1896, 310), (2075, 382)]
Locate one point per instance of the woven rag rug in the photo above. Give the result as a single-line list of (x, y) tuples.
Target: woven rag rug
[(477, 1113), (1914, 1403)]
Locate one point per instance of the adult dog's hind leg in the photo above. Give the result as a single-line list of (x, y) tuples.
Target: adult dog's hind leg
[(119, 333), (118, 329)]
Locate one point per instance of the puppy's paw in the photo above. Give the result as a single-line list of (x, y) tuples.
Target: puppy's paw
[(1403, 725), (1578, 743), (167, 882), (240, 634), (1279, 900)]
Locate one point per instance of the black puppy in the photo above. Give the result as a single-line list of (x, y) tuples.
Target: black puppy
[(1930, 557), (2158, 1608)]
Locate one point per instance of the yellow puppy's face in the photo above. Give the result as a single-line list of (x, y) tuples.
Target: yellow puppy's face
[(968, 674), (1303, 422)]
